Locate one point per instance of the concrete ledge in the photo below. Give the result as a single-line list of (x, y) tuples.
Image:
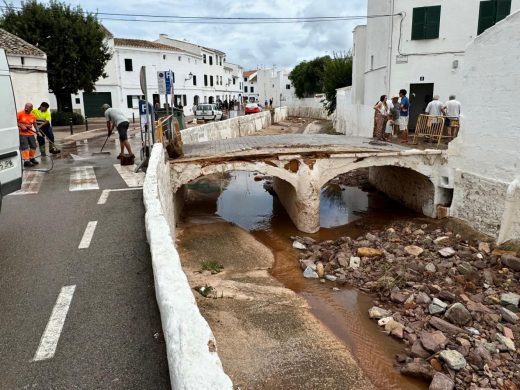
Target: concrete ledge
[(190, 345)]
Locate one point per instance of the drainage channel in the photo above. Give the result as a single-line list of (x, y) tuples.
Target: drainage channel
[(344, 211)]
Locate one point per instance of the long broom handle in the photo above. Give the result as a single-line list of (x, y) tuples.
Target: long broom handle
[(104, 143)]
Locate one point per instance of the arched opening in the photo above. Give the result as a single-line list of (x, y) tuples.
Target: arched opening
[(245, 198), (196, 100), (211, 99), (378, 191)]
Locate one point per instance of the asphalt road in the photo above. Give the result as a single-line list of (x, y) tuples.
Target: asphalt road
[(110, 335)]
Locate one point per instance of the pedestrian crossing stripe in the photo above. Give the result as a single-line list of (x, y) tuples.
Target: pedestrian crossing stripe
[(31, 183), (83, 179), (131, 178)]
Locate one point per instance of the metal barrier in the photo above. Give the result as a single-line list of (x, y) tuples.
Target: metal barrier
[(430, 127)]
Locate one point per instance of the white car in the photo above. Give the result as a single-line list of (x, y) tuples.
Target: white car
[(10, 161), (208, 111)]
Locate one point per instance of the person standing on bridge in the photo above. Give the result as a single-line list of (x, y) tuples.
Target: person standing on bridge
[(116, 118), (381, 117), (403, 114)]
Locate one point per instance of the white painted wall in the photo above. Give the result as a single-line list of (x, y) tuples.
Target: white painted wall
[(272, 83), (486, 150), (352, 119), (193, 364), (30, 83), (383, 75), (308, 108)]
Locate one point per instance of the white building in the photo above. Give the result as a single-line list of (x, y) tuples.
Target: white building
[(420, 48), (250, 86), (28, 68), (275, 84), (200, 75)]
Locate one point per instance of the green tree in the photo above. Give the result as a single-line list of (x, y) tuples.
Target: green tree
[(337, 74), (307, 77), (72, 39)]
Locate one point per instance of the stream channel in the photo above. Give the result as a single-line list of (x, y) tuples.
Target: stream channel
[(344, 211)]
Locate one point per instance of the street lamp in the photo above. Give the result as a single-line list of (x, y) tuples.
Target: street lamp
[(190, 76)]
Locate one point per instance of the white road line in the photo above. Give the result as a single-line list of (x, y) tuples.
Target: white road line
[(83, 179), (104, 195), (31, 183), (52, 332), (131, 178), (87, 235)]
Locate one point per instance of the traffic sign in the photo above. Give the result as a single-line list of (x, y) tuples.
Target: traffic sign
[(168, 78), (161, 82)]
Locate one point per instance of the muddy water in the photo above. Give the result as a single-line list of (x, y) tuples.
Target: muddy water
[(344, 211)]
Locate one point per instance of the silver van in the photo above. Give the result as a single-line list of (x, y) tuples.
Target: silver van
[(10, 160)]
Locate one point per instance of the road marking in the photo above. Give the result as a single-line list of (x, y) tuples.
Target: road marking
[(131, 178), (31, 183), (104, 195), (51, 334), (87, 235), (83, 179)]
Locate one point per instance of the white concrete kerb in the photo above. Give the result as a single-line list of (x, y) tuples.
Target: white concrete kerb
[(192, 361)]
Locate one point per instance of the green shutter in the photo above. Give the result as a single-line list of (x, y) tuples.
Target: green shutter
[(433, 21), (503, 9), (486, 16), (418, 22)]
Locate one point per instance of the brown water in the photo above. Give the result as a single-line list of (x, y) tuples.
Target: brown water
[(343, 211)]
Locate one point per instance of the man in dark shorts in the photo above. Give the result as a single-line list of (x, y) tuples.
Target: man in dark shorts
[(116, 118)]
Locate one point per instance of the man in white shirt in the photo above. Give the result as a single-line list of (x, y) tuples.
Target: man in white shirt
[(452, 111), (117, 119), (434, 107)]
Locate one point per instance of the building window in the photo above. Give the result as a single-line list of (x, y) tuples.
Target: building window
[(210, 60), (22, 60), (194, 80), (184, 100), (491, 12), (205, 80), (252, 89), (426, 22), (245, 88), (173, 77), (287, 86), (245, 79), (234, 81), (164, 56), (78, 100), (132, 101), (211, 80), (371, 62), (220, 80), (204, 58), (220, 61), (128, 65), (179, 58), (129, 101)]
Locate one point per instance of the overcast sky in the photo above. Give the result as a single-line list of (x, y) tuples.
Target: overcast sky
[(249, 45)]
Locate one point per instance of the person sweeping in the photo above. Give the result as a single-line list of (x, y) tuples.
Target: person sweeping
[(116, 119)]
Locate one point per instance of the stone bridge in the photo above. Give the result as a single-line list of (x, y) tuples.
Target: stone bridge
[(301, 164)]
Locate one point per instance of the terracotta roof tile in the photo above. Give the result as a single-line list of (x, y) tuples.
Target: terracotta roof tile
[(248, 73), (13, 44), (144, 44)]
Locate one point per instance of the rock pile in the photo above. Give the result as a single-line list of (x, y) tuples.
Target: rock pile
[(453, 302)]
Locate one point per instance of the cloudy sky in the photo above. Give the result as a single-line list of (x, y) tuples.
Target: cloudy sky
[(249, 45)]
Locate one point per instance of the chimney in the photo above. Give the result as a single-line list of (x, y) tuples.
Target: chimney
[(163, 36)]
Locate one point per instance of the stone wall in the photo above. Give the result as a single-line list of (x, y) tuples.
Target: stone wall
[(190, 346), (239, 126), (352, 119), (308, 108), (406, 186)]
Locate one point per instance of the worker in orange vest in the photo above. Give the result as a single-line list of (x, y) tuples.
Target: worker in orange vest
[(27, 128)]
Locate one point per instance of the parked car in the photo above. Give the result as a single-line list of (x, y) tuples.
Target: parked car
[(10, 161), (208, 111), (252, 108)]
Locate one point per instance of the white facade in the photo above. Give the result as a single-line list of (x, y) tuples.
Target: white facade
[(485, 154), (275, 84), (30, 83), (387, 59), (200, 75), (250, 87), (28, 69)]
